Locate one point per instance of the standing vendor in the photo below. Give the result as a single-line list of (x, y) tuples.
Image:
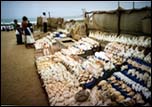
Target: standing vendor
[(44, 20)]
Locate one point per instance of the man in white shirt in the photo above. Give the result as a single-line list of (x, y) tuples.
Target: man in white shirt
[(44, 19)]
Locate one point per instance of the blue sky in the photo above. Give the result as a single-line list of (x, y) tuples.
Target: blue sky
[(32, 9)]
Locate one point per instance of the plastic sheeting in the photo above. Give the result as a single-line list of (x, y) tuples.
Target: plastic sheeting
[(106, 22), (131, 21)]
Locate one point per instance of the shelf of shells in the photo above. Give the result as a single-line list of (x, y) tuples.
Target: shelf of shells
[(64, 73), (123, 51), (49, 39), (131, 86), (133, 82), (85, 46), (48, 44), (143, 41), (82, 71)]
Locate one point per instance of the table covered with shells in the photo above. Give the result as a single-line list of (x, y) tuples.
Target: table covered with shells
[(71, 80)]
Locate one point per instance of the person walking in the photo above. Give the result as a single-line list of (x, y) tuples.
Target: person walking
[(44, 20)]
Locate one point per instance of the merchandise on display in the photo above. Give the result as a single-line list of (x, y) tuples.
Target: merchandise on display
[(122, 38), (50, 39), (81, 46), (120, 74)]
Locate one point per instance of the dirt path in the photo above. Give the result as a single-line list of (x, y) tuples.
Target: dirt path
[(20, 83)]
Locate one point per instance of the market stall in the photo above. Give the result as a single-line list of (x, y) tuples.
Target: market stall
[(103, 69)]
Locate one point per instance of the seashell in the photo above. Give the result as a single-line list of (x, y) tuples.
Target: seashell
[(141, 101), (85, 104), (133, 72), (117, 93), (112, 90), (120, 98), (108, 102), (123, 86), (103, 82), (112, 78), (109, 86), (82, 95), (94, 97), (131, 93), (66, 95), (149, 82), (59, 104), (80, 88), (53, 102), (128, 102), (100, 103), (124, 67), (71, 101), (113, 81), (140, 76), (120, 82), (145, 76), (116, 83), (128, 89), (137, 97), (60, 99), (147, 104), (137, 75)]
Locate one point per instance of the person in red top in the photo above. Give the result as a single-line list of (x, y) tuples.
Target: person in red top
[(29, 40)]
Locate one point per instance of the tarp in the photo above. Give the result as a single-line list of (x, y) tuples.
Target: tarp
[(106, 22), (134, 22), (130, 21)]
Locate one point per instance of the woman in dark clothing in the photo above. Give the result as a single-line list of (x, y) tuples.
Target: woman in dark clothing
[(30, 26), (18, 32)]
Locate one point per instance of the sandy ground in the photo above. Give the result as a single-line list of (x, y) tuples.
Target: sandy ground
[(20, 83)]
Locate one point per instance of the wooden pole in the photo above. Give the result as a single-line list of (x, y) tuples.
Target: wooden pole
[(118, 4), (133, 5), (49, 14)]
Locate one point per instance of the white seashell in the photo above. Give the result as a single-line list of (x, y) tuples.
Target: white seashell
[(149, 82), (145, 76), (140, 76)]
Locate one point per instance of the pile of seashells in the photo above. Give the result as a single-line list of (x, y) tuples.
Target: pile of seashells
[(122, 38), (81, 46), (64, 71), (48, 39), (121, 51)]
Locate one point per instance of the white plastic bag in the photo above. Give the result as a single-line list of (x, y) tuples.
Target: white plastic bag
[(23, 38), (29, 38)]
